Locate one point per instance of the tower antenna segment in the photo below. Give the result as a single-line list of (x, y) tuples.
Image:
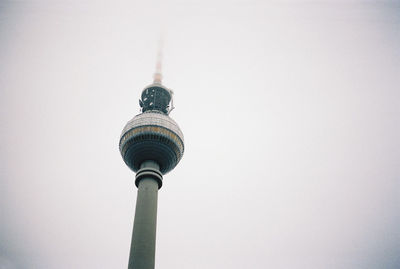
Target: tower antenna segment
[(158, 75)]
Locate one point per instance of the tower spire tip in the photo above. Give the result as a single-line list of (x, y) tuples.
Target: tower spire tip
[(157, 77)]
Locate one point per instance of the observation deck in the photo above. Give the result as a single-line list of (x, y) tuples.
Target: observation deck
[(153, 135)]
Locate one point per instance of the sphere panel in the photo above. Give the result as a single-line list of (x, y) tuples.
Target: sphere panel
[(156, 119)]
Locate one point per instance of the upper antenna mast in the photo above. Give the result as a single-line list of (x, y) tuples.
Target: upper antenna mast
[(157, 75)]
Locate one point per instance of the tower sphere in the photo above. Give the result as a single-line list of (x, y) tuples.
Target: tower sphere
[(152, 135)]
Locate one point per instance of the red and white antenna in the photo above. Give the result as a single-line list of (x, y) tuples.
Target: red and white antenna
[(158, 75)]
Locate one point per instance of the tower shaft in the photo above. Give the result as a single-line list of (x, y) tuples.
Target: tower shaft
[(142, 253)]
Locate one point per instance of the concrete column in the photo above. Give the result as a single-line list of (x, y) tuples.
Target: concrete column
[(143, 246)]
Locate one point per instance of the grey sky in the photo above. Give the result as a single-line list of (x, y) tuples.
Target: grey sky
[(290, 111)]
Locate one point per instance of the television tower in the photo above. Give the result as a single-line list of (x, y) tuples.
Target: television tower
[(151, 144)]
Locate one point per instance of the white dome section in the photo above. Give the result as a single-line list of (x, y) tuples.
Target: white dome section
[(153, 118)]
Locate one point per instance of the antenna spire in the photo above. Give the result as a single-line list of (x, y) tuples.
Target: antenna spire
[(157, 75)]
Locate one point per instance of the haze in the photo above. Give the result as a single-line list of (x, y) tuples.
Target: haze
[(290, 111)]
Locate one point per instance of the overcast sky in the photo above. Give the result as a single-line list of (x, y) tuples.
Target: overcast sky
[(290, 111)]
